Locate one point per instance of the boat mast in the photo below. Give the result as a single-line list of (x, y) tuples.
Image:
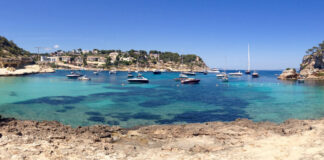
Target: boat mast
[(249, 57)]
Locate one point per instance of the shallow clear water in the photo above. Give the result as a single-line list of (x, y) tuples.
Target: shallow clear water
[(109, 99)]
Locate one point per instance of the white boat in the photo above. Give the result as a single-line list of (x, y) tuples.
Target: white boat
[(214, 70), (239, 73), (221, 75), (73, 75), (255, 74), (138, 79), (112, 72), (84, 78), (183, 76), (189, 73)]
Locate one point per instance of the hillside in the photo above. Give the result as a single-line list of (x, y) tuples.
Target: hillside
[(10, 49)]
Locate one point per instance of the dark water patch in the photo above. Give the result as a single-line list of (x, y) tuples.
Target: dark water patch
[(68, 107), (146, 116), (97, 119), (61, 110), (93, 113), (13, 94), (56, 100), (140, 115), (113, 122), (205, 116), (155, 103), (120, 116)]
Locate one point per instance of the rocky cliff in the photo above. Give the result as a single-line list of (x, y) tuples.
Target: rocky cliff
[(312, 66)]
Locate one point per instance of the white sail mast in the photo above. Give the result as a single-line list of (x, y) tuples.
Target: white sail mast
[(249, 65)]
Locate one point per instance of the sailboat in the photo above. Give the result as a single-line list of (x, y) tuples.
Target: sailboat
[(249, 65)]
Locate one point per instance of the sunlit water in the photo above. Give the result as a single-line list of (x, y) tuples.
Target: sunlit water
[(109, 99)]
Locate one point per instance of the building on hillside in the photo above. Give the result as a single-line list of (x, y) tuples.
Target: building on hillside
[(78, 61), (85, 51), (96, 61), (48, 59), (127, 59), (66, 59), (95, 51), (113, 56)]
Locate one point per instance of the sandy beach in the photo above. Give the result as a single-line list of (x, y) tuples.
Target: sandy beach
[(241, 139)]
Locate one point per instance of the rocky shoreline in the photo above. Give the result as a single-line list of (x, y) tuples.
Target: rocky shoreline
[(240, 139), (29, 69)]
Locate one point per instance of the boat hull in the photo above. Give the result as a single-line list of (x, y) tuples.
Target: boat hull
[(195, 81), (138, 81)]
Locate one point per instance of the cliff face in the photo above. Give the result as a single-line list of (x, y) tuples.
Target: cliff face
[(312, 64)]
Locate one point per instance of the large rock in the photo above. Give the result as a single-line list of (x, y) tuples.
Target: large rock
[(288, 74), (312, 64)]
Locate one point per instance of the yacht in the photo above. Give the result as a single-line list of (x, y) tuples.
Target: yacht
[(189, 73), (138, 79), (190, 81), (221, 75), (214, 70), (73, 75), (239, 73)]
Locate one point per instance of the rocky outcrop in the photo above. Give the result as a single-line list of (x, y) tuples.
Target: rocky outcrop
[(288, 74), (293, 139)]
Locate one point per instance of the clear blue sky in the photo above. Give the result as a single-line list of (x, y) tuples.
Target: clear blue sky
[(279, 31)]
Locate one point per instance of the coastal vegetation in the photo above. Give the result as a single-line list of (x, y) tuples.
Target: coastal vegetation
[(10, 49)]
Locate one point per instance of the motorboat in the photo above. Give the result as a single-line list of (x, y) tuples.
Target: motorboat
[(84, 78), (189, 73), (190, 81), (214, 70), (239, 73), (96, 72), (221, 75), (138, 79), (157, 71), (73, 75)]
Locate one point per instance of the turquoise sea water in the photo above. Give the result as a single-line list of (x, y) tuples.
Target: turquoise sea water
[(109, 99)]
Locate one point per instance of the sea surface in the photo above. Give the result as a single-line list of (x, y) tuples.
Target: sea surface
[(110, 99)]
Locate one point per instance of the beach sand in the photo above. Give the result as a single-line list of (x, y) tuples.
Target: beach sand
[(241, 139)]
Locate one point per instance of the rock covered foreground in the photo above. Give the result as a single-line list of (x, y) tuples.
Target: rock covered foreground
[(241, 139)]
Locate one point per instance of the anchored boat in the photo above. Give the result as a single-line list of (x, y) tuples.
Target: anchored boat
[(190, 81), (73, 75)]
